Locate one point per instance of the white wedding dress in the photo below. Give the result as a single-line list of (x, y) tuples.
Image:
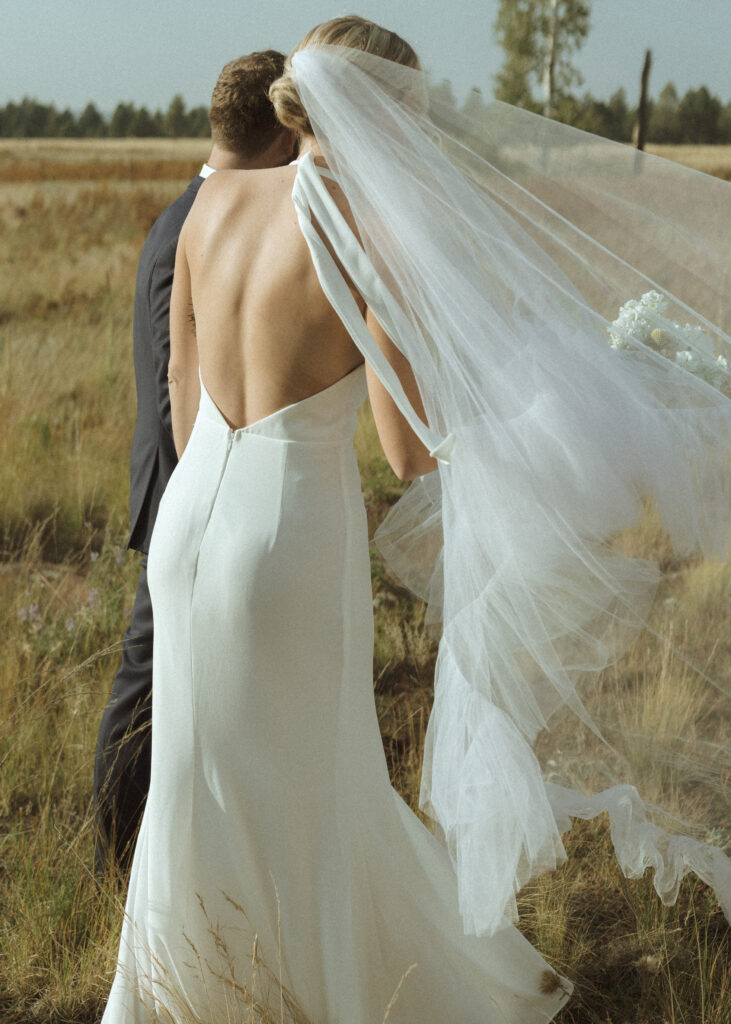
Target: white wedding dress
[(270, 812)]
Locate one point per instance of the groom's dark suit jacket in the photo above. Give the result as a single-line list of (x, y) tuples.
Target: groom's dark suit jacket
[(122, 765), (153, 457)]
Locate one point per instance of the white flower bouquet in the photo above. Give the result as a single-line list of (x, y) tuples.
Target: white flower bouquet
[(642, 320)]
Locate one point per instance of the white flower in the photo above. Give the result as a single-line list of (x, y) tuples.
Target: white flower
[(696, 338), (631, 324), (641, 321)]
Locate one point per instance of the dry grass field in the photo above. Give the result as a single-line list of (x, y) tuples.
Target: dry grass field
[(73, 216), (714, 160)]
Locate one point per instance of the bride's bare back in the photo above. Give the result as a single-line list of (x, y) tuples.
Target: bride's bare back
[(265, 335), (248, 309)]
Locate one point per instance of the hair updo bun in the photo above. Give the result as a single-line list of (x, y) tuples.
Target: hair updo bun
[(351, 31), (287, 103)]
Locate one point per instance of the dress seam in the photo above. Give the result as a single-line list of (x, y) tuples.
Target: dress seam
[(194, 689)]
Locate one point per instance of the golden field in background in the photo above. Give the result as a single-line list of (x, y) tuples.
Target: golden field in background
[(73, 215), (119, 159), (714, 160)]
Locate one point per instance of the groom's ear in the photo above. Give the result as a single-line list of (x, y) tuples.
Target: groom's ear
[(295, 144), (290, 145), (279, 152)]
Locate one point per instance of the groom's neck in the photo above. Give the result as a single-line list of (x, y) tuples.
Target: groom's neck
[(280, 151), (226, 160)]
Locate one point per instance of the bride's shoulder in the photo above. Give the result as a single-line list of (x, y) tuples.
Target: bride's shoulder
[(225, 189), (330, 183), (229, 190)]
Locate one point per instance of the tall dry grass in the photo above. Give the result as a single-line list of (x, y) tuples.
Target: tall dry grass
[(44, 160), (67, 264), (715, 160)]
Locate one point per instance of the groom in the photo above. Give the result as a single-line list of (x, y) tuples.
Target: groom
[(245, 135)]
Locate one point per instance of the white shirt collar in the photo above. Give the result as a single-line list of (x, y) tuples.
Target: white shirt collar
[(206, 170)]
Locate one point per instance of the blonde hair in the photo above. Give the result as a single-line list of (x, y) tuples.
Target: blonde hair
[(352, 31), (241, 115)]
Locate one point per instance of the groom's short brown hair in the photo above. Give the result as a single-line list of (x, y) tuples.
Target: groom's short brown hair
[(241, 114)]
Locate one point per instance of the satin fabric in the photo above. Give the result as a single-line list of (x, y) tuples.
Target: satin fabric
[(270, 812)]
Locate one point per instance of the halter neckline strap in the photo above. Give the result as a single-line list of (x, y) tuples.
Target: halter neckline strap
[(312, 199)]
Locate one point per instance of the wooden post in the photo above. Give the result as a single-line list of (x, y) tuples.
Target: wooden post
[(639, 132), (549, 61)]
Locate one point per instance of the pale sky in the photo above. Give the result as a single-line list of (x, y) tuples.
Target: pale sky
[(72, 51)]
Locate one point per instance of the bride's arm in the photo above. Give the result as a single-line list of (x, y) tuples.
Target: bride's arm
[(406, 455), (183, 379)]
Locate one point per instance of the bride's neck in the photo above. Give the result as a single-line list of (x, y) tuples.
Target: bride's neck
[(309, 144)]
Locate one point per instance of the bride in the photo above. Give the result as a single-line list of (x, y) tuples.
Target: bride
[(376, 266)]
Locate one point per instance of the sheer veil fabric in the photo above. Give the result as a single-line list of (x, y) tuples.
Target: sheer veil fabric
[(504, 251)]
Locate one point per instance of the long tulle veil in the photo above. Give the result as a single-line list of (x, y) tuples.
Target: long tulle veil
[(563, 303)]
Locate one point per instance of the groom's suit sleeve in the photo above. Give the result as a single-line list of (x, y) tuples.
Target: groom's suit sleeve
[(160, 288)]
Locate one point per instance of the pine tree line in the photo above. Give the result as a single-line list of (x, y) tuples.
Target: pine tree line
[(696, 117), (30, 119)]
